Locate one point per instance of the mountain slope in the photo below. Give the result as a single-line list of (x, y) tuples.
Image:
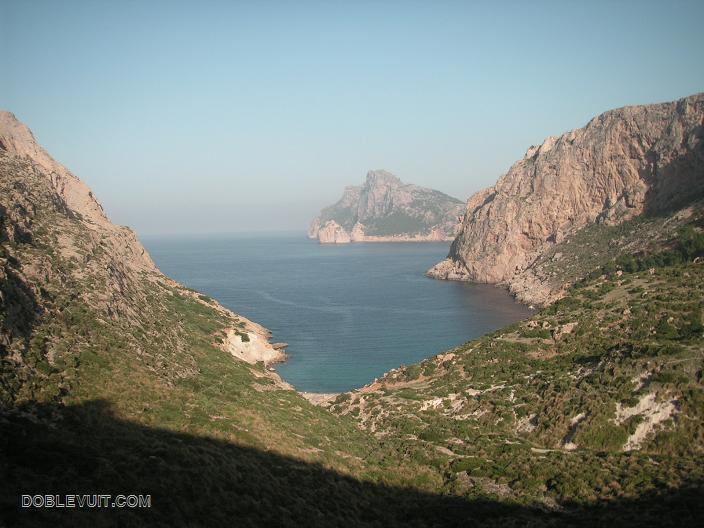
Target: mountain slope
[(623, 163), (115, 379), (61, 256), (598, 397), (386, 209)]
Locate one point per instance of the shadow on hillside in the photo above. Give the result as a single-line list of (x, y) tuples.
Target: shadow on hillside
[(678, 182), (196, 481), (20, 305)]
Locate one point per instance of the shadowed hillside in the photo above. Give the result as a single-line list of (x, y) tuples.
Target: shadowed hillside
[(201, 481)]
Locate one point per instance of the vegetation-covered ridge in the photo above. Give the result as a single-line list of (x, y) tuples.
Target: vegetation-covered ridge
[(597, 398)]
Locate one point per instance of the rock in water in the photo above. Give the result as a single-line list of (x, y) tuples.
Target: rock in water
[(623, 163), (384, 209)]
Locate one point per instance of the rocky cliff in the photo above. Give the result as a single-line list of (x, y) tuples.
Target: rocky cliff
[(624, 163), (386, 209)]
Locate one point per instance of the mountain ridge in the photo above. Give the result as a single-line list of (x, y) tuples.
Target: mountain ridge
[(55, 236), (16, 139)]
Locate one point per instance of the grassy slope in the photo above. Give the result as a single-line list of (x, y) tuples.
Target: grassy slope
[(113, 382), (580, 253), (216, 446), (500, 417)]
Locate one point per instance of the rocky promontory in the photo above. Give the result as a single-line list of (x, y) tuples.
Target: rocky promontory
[(384, 209), (624, 163)]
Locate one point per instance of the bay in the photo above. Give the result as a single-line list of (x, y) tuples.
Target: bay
[(348, 312)]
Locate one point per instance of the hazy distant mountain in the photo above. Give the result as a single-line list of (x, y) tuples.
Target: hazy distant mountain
[(386, 209)]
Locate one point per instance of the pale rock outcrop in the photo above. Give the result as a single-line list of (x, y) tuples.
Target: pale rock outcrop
[(384, 209), (654, 413), (253, 348), (357, 234), (623, 163), (333, 233), (349, 200), (314, 228), (563, 330)]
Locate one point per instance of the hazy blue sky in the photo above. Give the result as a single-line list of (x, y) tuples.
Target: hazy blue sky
[(226, 116)]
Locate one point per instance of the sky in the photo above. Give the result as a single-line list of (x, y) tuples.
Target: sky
[(208, 117)]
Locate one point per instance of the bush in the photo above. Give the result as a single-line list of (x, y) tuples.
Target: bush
[(665, 330), (540, 333), (692, 326), (412, 372), (691, 243)]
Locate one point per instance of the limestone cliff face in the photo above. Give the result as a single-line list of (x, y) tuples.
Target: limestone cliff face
[(333, 233), (622, 164), (386, 209)]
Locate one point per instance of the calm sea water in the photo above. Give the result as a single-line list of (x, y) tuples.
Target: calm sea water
[(349, 313)]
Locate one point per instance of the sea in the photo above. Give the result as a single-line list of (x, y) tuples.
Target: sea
[(348, 312)]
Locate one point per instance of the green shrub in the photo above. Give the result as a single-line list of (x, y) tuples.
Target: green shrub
[(691, 243), (540, 333), (412, 372)]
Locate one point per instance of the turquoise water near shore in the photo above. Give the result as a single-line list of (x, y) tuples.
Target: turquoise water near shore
[(349, 313)]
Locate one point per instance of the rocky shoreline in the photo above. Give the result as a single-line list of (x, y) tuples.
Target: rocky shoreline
[(333, 233)]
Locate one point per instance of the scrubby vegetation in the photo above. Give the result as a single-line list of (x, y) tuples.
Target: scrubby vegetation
[(598, 397), (397, 222), (637, 244)]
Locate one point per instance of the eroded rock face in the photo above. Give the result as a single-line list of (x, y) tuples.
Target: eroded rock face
[(622, 164), (18, 141), (385, 209), (333, 233)]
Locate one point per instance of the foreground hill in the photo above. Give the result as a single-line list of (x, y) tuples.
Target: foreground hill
[(596, 399), (599, 397), (624, 163), (386, 209)]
